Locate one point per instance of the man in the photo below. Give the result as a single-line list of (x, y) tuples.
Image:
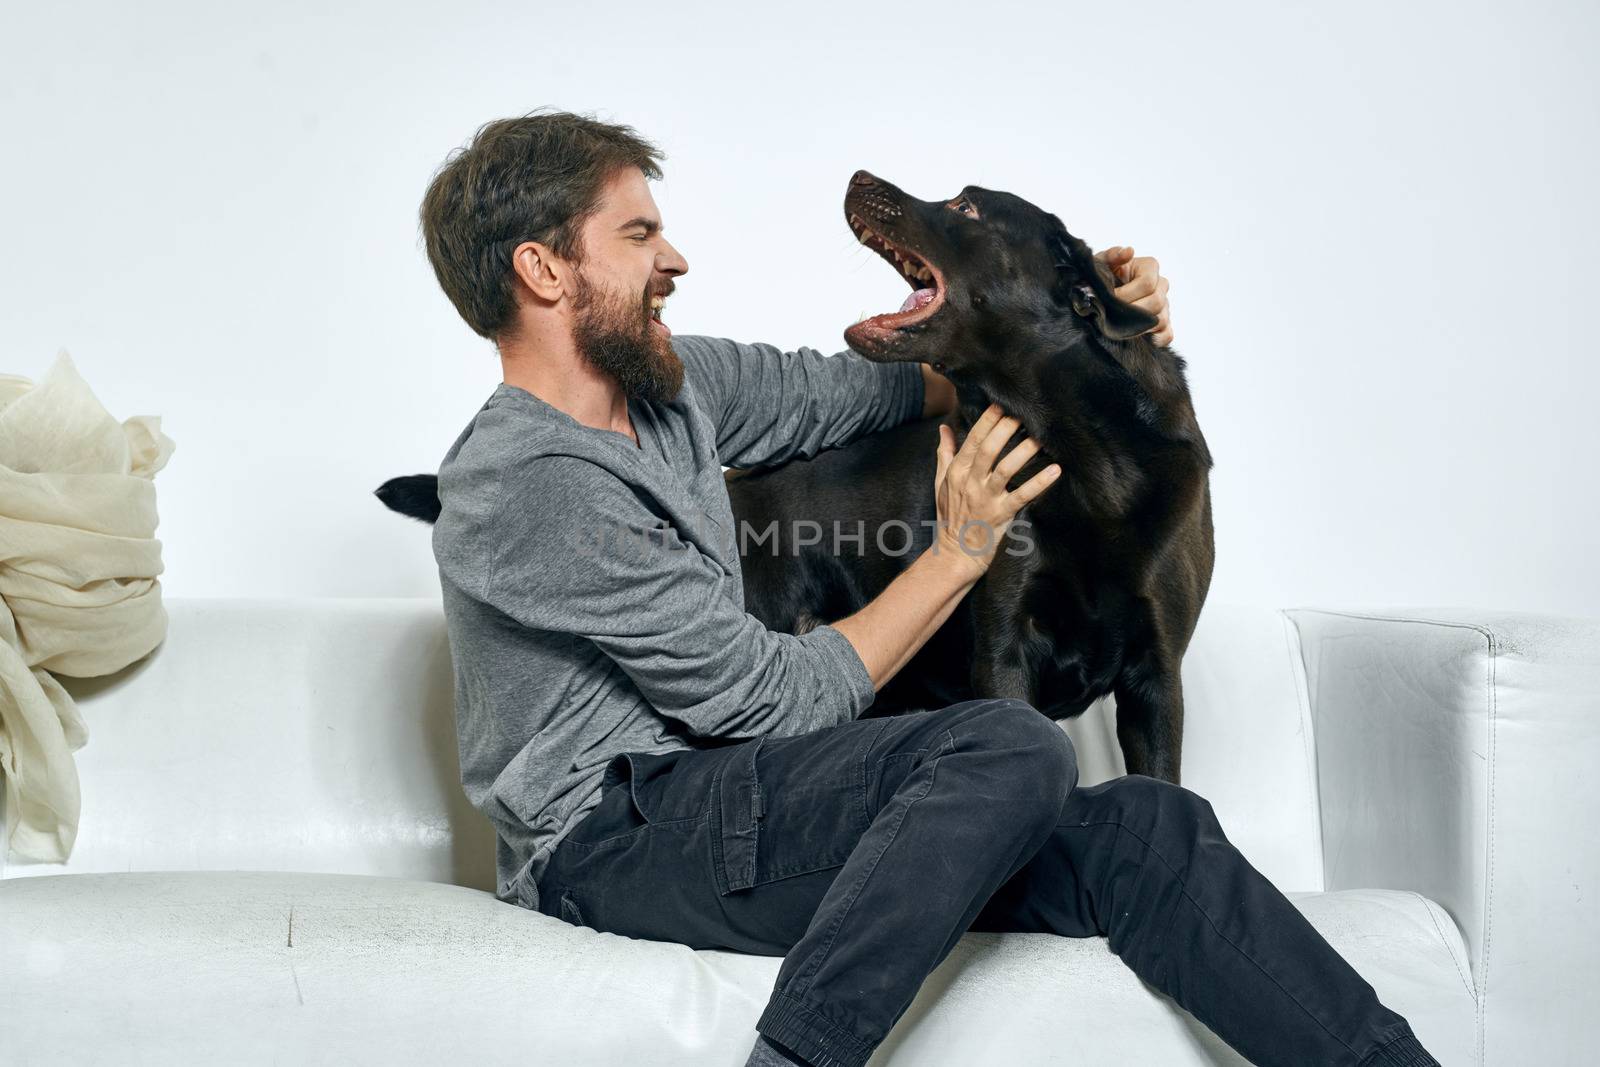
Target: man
[(658, 764)]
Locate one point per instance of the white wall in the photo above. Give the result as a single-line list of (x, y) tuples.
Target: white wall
[(1378, 223)]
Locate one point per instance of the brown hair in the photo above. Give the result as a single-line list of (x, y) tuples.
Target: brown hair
[(536, 177)]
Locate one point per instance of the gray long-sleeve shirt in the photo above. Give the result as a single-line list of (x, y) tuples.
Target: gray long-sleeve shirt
[(592, 590)]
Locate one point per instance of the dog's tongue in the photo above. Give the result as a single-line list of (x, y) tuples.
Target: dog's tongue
[(917, 299)]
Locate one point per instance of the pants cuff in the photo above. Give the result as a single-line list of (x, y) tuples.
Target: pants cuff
[(820, 1041), (1403, 1051)]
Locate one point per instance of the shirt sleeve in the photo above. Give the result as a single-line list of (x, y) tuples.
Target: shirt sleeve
[(770, 406), (581, 552)]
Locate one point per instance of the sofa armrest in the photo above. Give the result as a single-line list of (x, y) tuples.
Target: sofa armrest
[(1456, 755)]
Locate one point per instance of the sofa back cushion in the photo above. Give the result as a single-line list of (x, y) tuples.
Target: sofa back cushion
[(319, 735), (290, 735)]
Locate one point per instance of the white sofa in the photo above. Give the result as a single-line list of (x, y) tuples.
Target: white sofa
[(276, 863)]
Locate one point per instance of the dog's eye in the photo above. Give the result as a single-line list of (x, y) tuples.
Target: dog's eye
[(963, 205)]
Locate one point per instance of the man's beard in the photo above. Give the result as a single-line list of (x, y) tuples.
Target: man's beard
[(616, 337)]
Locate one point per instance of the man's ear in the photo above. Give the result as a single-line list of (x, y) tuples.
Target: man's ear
[(1086, 284), (543, 273)]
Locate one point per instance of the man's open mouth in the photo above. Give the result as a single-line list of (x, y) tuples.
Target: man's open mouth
[(656, 303), (927, 285)]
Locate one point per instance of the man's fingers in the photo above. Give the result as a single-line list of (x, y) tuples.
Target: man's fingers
[(1143, 284), (989, 450), (1155, 302), (1146, 290), (1146, 280), (1163, 316), (1123, 267), (1116, 258), (1016, 459), (980, 429), (1163, 330), (968, 451), (1137, 290), (943, 455), (1028, 490)]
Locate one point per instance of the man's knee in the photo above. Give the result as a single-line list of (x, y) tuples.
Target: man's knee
[(1168, 817), (1041, 762)]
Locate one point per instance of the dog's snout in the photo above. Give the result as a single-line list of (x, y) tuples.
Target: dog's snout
[(861, 177)]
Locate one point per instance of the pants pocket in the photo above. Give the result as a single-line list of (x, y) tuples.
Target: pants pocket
[(807, 816), (636, 792)]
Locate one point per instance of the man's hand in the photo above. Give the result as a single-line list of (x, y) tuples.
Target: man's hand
[(971, 501), (1141, 285)]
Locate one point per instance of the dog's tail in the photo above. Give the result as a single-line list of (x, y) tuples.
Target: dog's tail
[(416, 495)]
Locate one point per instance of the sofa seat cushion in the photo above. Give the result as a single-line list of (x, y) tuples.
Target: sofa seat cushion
[(260, 967)]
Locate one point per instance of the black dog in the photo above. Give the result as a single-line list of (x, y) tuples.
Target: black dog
[(1099, 583), (1098, 586)]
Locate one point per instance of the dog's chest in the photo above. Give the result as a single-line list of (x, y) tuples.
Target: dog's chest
[(1034, 606)]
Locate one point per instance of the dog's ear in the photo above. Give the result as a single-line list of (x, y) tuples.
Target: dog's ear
[(1084, 284)]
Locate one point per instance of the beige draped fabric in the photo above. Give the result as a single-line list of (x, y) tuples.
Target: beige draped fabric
[(78, 588)]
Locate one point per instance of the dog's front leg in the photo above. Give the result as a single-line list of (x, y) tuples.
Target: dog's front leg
[(1150, 721), (999, 668), (1000, 673)]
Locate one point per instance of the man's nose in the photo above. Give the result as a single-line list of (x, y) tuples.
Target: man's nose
[(670, 262)]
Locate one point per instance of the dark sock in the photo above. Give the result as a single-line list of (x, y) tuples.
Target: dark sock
[(768, 1053)]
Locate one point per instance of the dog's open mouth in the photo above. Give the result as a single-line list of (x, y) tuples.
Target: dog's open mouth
[(927, 287)]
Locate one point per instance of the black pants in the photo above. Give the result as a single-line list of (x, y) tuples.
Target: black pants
[(862, 852)]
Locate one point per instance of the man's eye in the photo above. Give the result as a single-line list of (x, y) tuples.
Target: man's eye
[(640, 237)]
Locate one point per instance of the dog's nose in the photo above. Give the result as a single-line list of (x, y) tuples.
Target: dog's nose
[(861, 177)]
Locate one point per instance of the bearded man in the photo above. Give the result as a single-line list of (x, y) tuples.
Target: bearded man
[(658, 764)]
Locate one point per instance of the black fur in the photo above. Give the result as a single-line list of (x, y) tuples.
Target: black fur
[(1100, 584), (416, 495), (1108, 593)]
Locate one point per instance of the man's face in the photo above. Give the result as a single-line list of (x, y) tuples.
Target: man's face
[(627, 270)]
